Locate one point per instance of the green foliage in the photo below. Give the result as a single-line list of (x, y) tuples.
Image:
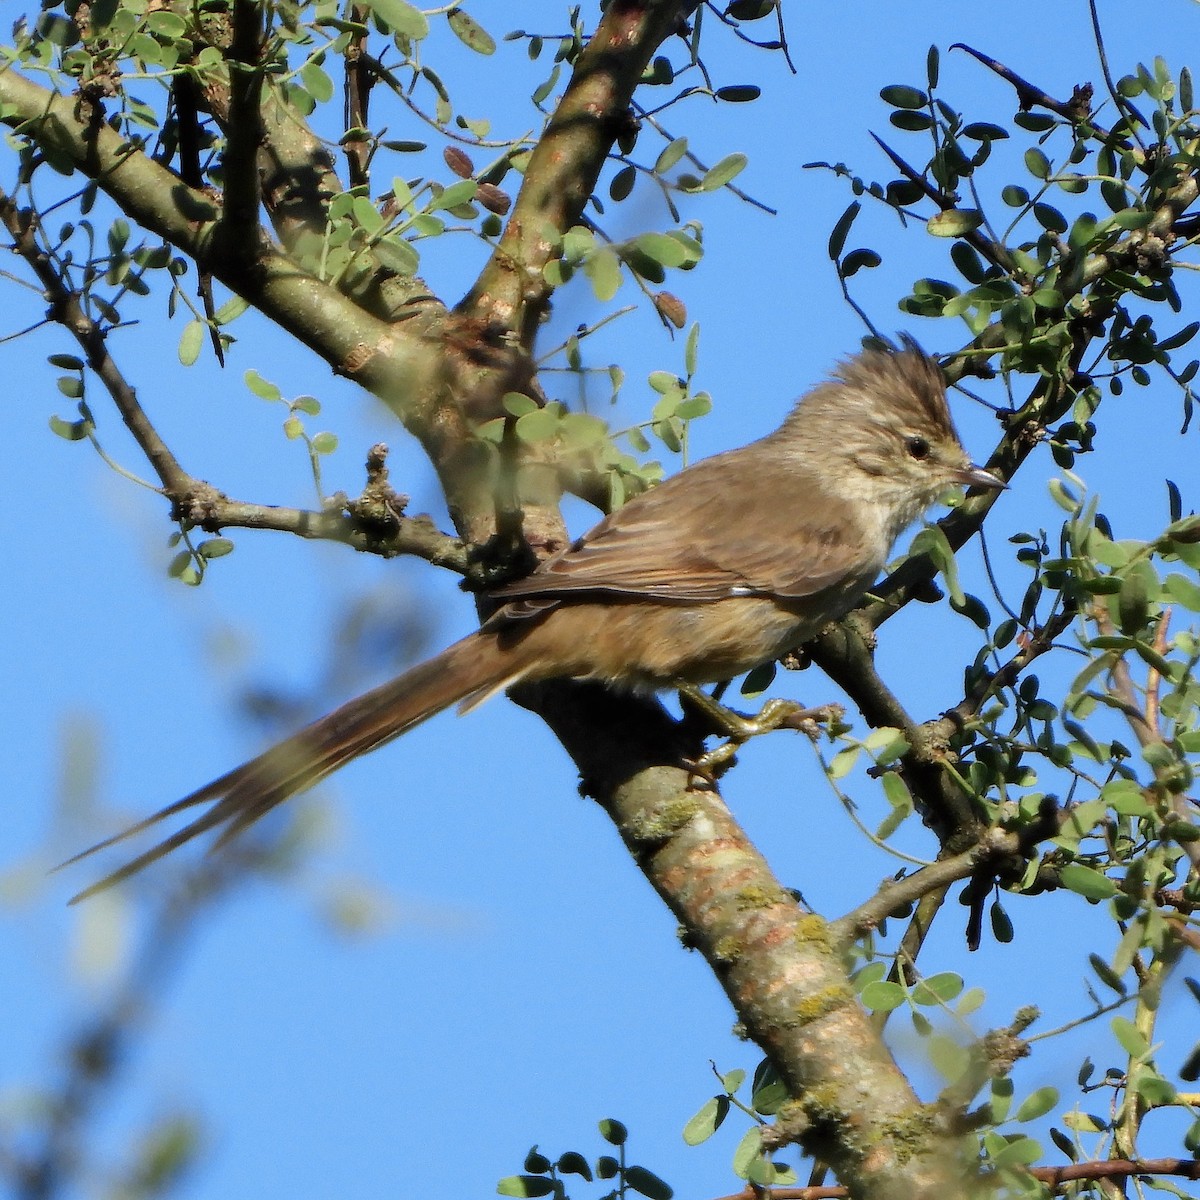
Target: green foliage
[(1055, 241), (543, 1177), (752, 1161)]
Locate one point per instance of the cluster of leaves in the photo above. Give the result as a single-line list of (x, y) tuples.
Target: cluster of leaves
[(751, 1160), (1065, 294), (185, 64), (581, 443), (542, 1177), (1034, 276)]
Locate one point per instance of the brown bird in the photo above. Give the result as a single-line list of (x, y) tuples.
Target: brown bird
[(730, 563)]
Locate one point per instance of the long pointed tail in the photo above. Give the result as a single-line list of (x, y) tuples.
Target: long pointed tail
[(469, 671)]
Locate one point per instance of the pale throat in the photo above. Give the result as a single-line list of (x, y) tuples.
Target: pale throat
[(882, 507)]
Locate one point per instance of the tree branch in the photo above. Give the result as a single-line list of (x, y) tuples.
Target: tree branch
[(781, 967), (398, 363), (995, 844), (510, 292), (244, 131), (374, 523)]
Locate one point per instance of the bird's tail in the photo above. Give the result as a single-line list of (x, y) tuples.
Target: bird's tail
[(467, 672)]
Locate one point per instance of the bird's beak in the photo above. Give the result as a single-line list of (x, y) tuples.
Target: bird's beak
[(973, 476)]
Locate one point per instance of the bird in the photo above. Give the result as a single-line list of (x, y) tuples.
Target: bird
[(732, 562)]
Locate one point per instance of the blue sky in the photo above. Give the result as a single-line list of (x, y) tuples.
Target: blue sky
[(523, 981)]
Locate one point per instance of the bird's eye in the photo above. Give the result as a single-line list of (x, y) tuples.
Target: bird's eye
[(918, 447)]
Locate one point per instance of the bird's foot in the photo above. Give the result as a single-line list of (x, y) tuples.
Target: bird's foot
[(739, 728)]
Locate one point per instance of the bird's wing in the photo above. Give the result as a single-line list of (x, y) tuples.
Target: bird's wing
[(768, 533)]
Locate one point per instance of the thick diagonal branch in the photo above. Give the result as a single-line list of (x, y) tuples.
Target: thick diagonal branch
[(564, 167)]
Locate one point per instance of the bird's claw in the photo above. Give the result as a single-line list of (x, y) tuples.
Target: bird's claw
[(739, 728)]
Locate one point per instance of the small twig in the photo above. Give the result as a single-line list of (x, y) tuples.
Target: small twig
[(894, 893), (1076, 110), (1153, 678), (374, 523), (1040, 642), (358, 82), (994, 252), (1124, 107)]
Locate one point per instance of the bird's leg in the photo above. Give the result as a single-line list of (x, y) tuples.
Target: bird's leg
[(738, 728)]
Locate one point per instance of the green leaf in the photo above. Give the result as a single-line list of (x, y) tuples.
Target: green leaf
[(647, 1183), (613, 1132), (954, 222), (573, 1163), (261, 387), (538, 426), (857, 260), (1107, 975), (938, 989), (547, 86), (536, 1162), (366, 214), (71, 431), (517, 404), (216, 547), (470, 32), (843, 762), (183, 568), (1021, 1151), (316, 83), (190, 342), (401, 17), (1083, 881), (1133, 601), (748, 1151), (1036, 163), (603, 268), (230, 310), (707, 1121), (758, 680), (750, 10), (525, 1185), (662, 249), (738, 93), (1038, 1104), (1183, 591), (896, 791), (882, 996), (622, 183), (982, 131), (972, 1000), (699, 405), (397, 255), (933, 541), (691, 349), (1130, 1039), (768, 1092), (837, 238), (1132, 218), (671, 154), (911, 122), (901, 96), (325, 443), (456, 194), (729, 167)]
